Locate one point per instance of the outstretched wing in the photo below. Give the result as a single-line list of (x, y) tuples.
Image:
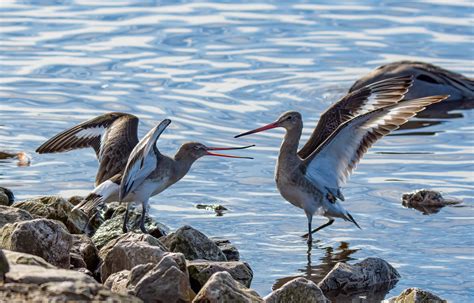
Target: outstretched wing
[(112, 136), (330, 165), (366, 99), (142, 160)]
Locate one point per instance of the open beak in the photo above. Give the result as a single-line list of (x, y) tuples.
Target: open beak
[(227, 148), (260, 129)]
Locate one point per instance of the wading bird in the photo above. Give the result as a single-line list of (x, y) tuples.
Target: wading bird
[(312, 178), (136, 173)]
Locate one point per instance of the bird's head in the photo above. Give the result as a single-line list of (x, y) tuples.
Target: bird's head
[(288, 120), (196, 150)]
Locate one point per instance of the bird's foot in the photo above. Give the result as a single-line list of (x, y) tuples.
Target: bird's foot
[(124, 229)]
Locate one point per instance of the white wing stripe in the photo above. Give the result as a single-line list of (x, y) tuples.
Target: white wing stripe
[(90, 132)]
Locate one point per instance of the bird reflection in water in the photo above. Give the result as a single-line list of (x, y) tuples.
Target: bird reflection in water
[(316, 272)]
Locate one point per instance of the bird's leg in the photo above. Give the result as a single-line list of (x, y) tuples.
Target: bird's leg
[(125, 219), (331, 221), (142, 218), (309, 234)]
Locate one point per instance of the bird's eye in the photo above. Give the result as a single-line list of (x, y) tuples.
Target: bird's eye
[(289, 118), (196, 147)]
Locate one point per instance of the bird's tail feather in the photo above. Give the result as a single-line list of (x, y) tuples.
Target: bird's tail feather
[(89, 204)]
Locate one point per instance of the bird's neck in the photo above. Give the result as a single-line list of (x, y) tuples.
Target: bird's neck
[(182, 166), (289, 146)]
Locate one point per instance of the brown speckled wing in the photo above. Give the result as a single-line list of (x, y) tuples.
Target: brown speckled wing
[(359, 102)]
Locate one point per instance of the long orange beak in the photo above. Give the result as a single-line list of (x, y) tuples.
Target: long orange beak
[(228, 148), (260, 129)]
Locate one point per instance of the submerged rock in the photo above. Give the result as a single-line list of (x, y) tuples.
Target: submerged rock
[(297, 290), (112, 228), (193, 244), (365, 274), (48, 239), (427, 201), (222, 288), (217, 208), (416, 295), (201, 270), (56, 208), (12, 215), (6, 196)]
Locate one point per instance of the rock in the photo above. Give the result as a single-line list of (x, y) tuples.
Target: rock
[(56, 208), (65, 291), (12, 215), (365, 274), (84, 248), (132, 237), (427, 201), (6, 196), (48, 239), (15, 257), (222, 288), (4, 266), (416, 295), (228, 249), (193, 244), (118, 282), (32, 274), (128, 252), (201, 270), (74, 200), (112, 228), (165, 282), (297, 290), (162, 282)]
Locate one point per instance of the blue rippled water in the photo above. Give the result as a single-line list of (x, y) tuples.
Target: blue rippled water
[(219, 68)]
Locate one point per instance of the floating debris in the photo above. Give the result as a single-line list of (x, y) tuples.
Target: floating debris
[(427, 201), (217, 208)]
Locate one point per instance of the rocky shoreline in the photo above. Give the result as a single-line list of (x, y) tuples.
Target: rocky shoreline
[(48, 254)]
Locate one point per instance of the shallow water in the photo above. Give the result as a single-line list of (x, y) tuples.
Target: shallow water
[(217, 69)]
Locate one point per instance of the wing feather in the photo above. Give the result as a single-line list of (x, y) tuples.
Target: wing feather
[(331, 164), (112, 136), (368, 98), (142, 161)]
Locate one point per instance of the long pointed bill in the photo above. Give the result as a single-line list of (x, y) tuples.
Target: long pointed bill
[(260, 129), (227, 148)]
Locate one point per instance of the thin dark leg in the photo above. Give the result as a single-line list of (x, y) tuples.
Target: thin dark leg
[(331, 221), (125, 219), (142, 219), (310, 237)]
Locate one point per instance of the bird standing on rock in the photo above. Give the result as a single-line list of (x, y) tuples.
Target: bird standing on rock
[(136, 173), (312, 178)]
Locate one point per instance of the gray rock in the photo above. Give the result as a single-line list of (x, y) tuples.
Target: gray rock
[(165, 282), (193, 244), (297, 290), (128, 252), (365, 274), (416, 295), (112, 228), (45, 238), (12, 215), (6, 196), (222, 288), (162, 282), (228, 249), (65, 291), (4, 266), (118, 282), (132, 237), (15, 257), (201, 270), (32, 274), (56, 208), (84, 248)]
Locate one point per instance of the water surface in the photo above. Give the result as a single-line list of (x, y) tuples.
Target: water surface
[(219, 68)]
